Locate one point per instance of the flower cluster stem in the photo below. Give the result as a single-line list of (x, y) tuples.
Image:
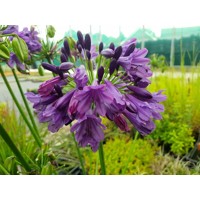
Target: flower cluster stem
[(79, 153), (20, 109), (101, 158), (26, 103)]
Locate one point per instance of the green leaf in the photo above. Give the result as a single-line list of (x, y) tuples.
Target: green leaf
[(4, 52), (20, 48)]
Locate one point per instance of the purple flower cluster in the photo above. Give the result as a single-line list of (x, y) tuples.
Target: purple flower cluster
[(30, 37), (92, 84)]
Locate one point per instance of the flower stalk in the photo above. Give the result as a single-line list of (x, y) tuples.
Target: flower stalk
[(37, 139), (26, 103), (14, 149), (79, 153), (101, 158)]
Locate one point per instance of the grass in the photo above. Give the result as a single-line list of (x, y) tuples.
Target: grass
[(57, 155)]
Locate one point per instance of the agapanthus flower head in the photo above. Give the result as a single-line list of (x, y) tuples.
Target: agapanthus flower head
[(93, 82), (31, 38), (10, 29), (32, 41)]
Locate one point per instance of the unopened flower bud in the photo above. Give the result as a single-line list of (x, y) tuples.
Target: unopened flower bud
[(118, 52), (50, 67), (112, 67), (80, 38), (63, 58), (130, 49), (87, 42), (63, 51), (79, 48), (117, 67), (58, 90), (112, 46), (100, 74), (65, 66), (100, 47), (121, 123), (88, 54), (66, 46), (108, 53), (141, 92)]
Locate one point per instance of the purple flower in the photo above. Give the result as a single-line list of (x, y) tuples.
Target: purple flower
[(31, 39), (89, 131), (127, 44), (108, 53), (121, 123), (47, 87), (94, 94), (80, 77), (11, 29), (144, 127), (15, 61), (80, 94)]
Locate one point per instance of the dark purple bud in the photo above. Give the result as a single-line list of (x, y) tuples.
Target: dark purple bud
[(100, 74), (121, 123), (79, 48), (141, 92), (80, 38), (58, 90), (118, 52), (50, 67), (88, 54), (108, 53), (112, 46), (63, 58), (143, 83), (112, 67), (65, 66), (63, 51), (117, 67), (100, 47), (130, 49), (66, 46), (87, 42)]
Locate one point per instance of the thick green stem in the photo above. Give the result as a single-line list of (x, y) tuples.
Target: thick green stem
[(26, 103), (14, 149), (19, 108), (101, 158), (79, 154)]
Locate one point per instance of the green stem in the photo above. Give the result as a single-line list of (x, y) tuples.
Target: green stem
[(19, 108), (26, 103), (101, 158), (79, 153), (14, 149)]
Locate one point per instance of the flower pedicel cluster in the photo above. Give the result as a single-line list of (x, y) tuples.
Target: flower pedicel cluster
[(91, 83)]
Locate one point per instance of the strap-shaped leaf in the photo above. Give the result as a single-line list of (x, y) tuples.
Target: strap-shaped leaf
[(20, 48), (4, 52)]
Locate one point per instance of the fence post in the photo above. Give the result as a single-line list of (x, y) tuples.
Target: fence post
[(172, 48)]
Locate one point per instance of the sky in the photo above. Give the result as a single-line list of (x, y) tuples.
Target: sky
[(112, 16)]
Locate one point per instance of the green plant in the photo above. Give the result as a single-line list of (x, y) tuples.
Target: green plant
[(158, 61), (124, 156), (168, 165), (174, 134), (57, 155)]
